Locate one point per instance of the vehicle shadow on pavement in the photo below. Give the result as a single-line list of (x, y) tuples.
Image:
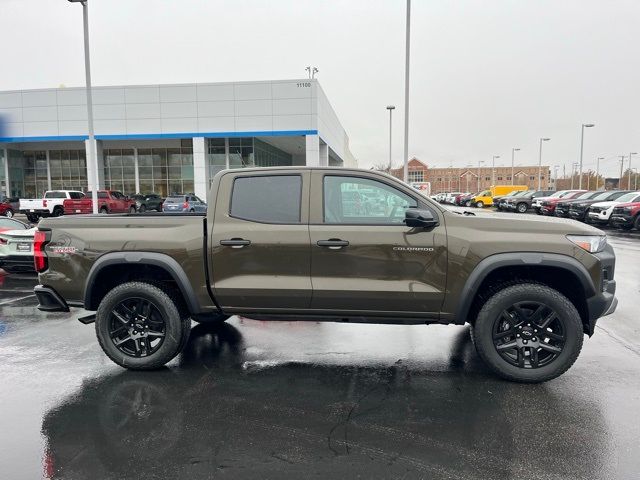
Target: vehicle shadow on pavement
[(214, 413)]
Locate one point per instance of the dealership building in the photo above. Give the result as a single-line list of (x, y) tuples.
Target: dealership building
[(164, 138)]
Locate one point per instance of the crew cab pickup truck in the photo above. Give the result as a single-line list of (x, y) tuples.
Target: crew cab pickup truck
[(49, 206), (289, 243), (108, 202)]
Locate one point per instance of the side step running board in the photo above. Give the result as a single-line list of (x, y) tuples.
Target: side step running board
[(87, 319)]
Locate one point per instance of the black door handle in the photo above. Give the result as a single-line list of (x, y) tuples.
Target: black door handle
[(333, 243), (235, 242)]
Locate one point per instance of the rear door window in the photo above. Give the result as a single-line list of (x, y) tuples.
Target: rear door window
[(267, 198)]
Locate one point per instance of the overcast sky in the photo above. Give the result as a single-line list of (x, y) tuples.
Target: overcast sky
[(486, 75)]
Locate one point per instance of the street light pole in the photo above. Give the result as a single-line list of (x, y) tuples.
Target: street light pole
[(598, 171), (92, 160), (635, 179), (540, 161), (573, 173), (493, 169), (629, 181), (555, 176), (406, 93), (391, 108), (584, 125), (513, 156)]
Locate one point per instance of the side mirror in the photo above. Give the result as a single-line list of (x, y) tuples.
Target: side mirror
[(415, 217)]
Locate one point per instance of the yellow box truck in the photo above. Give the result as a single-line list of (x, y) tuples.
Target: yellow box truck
[(485, 198)]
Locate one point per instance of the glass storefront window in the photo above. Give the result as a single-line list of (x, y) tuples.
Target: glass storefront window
[(216, 155)]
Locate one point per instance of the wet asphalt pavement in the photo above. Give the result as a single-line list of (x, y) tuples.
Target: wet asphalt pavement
[(256, 399)]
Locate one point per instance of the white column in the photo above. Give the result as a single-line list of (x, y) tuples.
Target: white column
[(200, 167), (312, 150), (324, 154), (7, 187), (135, 163), (100, 161), (48, 171)]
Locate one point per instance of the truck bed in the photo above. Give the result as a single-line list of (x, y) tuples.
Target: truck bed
[(78, 241)]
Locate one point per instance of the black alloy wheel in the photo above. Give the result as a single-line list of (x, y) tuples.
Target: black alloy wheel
[(528, 332), (137, 327), (529, 335), (143, 208)]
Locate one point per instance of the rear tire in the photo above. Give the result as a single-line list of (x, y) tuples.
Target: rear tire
[(57, 212), (164, 316), (509, 318), (104, 210), (142, 209), (636, 223), (8, 213), (132, 209), (33, 218)]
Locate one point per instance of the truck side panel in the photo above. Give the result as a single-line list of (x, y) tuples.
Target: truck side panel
[(78, 241)]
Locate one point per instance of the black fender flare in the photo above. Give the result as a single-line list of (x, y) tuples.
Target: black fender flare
[(510, 259), (143, 258)]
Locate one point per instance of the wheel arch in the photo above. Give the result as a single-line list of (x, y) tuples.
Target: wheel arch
[(131, 263), (561, 272)]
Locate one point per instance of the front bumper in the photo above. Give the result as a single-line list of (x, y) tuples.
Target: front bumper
[(604, 302), (49, 300), (621, 219)]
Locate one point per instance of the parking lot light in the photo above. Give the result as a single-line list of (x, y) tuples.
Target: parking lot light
[(539, 162), (629, 181), (513, 156), (584, 125), (493, 169)]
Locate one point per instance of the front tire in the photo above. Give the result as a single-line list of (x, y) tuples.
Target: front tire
[(104, 210), (636, 223), (143, 208), (9, 213), (132, 210), (528, 333), (522, 208), (479, 205), (140, 327)]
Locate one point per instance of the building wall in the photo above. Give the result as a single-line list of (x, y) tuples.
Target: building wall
[(454, 179)]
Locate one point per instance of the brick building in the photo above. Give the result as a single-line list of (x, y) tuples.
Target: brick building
[(454, 179)]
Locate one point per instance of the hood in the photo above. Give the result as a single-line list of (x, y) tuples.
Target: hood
[(513, 222), (607, 204), (629, 204)]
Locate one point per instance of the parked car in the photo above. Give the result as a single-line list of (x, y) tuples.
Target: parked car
[(501, 202), (51, 205), (16, 246), (149, 201), (9, 205), (626, 216), (522, 203), (276, 243), (457, 200), (548, 204), (109, 201), (578, 210), (465, 200), (192, 204), (601, 212), (563, 206), (485, 199), (537, 203)]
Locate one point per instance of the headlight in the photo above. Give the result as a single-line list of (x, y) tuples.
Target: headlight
[(627, 209), (590, 243)]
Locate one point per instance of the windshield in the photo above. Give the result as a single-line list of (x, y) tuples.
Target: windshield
[(521, 193), (629, 197), (585, 195)]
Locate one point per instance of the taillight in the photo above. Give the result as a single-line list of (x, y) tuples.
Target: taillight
[(3, 241), (185, 205), (39, 256), (44, 203)]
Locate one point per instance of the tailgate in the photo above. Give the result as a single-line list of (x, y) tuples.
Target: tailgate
[(82, 205), (31, 204)]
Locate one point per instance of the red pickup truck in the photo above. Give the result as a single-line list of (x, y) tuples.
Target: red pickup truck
[(108, 202)]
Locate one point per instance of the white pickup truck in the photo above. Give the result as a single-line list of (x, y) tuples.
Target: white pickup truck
[(49, 206)]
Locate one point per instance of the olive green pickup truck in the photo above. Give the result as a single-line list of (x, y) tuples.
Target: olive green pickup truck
[(330, 244)]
